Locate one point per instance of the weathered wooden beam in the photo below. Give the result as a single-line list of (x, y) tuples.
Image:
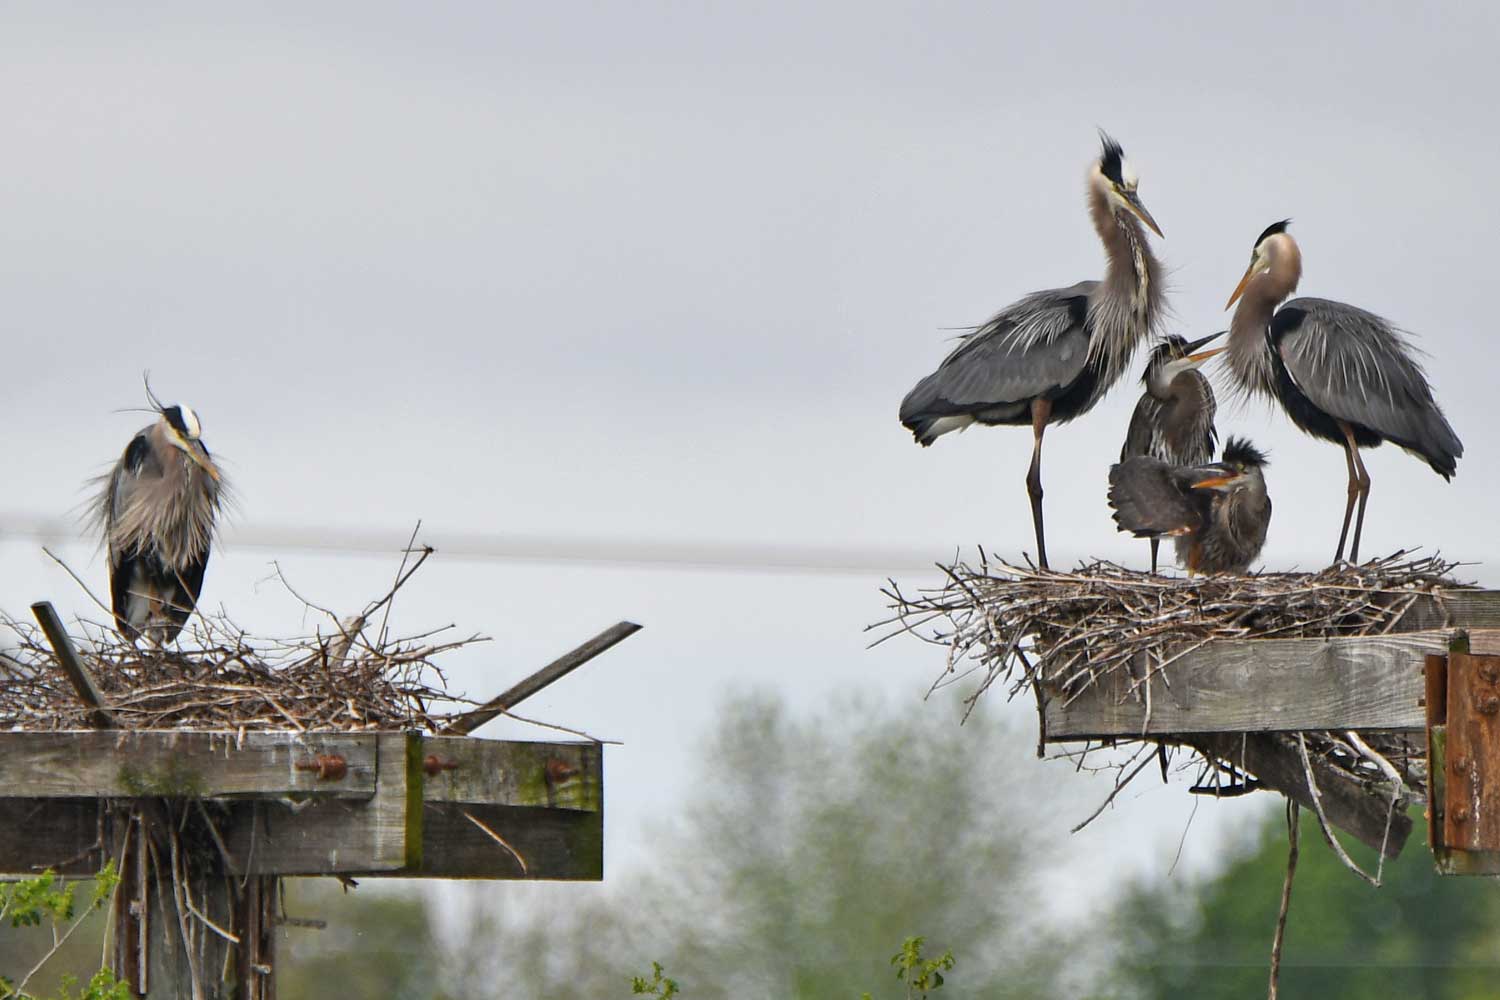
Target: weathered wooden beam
[(78, 675), (554, 671), (553, 775), (58, 834), (509, 842), (1347, 802), (161, 763), (1472, 775), (1264, 685)]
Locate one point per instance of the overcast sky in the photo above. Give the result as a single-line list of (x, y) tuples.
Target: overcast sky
[(659, 274)]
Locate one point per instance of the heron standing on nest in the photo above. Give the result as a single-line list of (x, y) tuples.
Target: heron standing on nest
[(158, 508), (1217, 514), (1341, 374), (1174, 420), (1053, 355)]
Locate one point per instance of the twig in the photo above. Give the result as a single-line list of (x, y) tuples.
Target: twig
[(1317, 801), (1292, 811), (499, 840), (1119, 786)]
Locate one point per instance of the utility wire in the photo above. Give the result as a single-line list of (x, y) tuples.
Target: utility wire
[(771, 558)]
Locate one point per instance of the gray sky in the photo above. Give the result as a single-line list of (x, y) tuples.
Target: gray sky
[(658, 273)]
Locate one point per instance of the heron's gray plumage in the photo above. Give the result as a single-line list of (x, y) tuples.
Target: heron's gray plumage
[(157, 509), (1174, 418), (1357, 367), (1053, 355), (1339, 372), (1216, 529)]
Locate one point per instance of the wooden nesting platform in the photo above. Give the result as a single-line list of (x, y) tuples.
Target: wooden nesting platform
[(289, 803), (1244, 700)]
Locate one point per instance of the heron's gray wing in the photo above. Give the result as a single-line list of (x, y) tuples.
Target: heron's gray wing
[(1187, 425), (1150, 497), (1358, 368), (1142, 437), (1034, 347)]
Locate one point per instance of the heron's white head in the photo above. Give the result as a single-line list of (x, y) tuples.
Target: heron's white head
[(1113, 177), (1275, 261), (184, 431)]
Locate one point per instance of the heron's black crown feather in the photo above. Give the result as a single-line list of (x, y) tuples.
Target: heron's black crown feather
[(1272, 230), (174, 417), (1238, 451), (1111, 159)]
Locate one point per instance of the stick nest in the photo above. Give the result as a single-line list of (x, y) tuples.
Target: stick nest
[(1055, 634), (1026, 626), (350, 675)]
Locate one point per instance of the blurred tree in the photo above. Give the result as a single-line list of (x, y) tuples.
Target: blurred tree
[(379, 942), (1418, 935), (811, 847)]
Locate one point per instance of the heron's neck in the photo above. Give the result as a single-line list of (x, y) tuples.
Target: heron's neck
[(1127, 305), (1249, 352)]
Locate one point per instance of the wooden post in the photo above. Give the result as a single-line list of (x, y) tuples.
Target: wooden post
[(78, 675), (1472, 768)]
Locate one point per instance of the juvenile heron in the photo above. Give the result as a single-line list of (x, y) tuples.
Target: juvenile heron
[(1341, 374), (157, 508), (1217, 514), (1052, 356), (1174, 420)]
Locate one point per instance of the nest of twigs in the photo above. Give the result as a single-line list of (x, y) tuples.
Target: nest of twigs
[(349, 674), (1067, 629), (1056, 634)]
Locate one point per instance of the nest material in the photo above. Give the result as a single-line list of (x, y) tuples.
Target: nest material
[(1029, 627), (1056, 634), (354, 676)]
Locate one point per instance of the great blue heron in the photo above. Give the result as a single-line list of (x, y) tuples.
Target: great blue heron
[(1341, 374), (158, 508), (1217, 514), (1051, 356), (1174, 420)]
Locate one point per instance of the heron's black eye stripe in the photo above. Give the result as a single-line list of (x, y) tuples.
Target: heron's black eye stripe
[(174, 417)]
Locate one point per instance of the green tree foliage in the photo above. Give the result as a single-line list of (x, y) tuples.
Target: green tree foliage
[(1418, 935), (808, 847), (377, 943), (49, 906)]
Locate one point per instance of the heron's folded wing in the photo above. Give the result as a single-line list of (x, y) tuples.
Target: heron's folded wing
[(1357, 367), (1034, 347)]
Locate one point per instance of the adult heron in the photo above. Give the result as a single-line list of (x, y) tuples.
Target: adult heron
[(1052, 356), (1174, 420), (158, 508), (1217, 514), (1341, 374)]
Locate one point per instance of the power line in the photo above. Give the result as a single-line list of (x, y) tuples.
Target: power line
[(742, 556)]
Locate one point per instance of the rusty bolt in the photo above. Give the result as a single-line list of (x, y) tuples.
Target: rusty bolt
[(1460, 815), (1460, 762), (434, 765), (1489, 672), (559, 770), (1489, 704), (329, 766)]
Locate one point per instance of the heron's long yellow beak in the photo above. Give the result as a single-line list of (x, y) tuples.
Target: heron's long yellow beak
[(1240, 288), (1214, 482), (202, 461), (1133, 202), (1205, 355)]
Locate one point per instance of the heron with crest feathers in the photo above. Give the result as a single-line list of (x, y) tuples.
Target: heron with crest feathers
[(1174, 418), (1342, 374), (158, 509), (1053, 355)]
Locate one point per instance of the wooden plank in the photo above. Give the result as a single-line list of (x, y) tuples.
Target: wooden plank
[(328, 836), (513, 773), (552, 672), (1435, 674), (135, 763), (60, 834), (1347, 802), (77, 674), (1265, 685), (1472, 769), (544, 844)]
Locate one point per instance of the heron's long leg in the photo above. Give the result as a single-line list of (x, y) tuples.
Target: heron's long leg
[(1041, 412), (1350, 451), (1364, 496), (1155, 543)]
